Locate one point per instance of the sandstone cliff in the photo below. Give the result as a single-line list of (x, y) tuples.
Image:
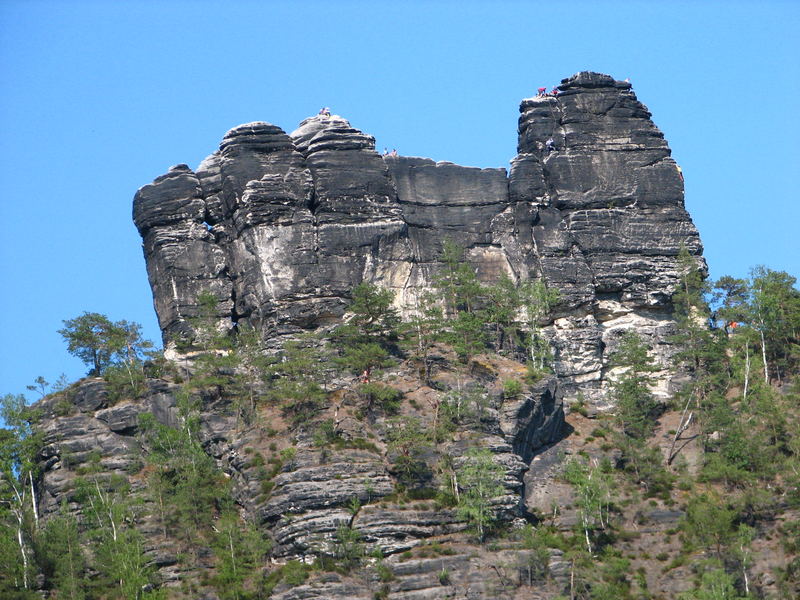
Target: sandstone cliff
[(281, 227)]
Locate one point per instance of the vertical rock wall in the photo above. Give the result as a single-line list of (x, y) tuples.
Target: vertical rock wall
[(280, 227)]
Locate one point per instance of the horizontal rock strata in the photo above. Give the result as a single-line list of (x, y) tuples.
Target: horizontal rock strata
[(279, 227)]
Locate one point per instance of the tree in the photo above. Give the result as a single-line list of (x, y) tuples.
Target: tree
[(110, 515), (594, 496), (296, 379), (239, 549), (99, 343), (480, 482), (367, 338), (636, 407), (183, 480), (537, 301), (62, 554), (776, 316), (502, 303), (409, 441), (19, 444), (425, 326), (715, 584), (710, 523), (461, 292)]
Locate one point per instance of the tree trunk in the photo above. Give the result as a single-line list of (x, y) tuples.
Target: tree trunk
[(682, 426), (33, 501), (746, 371)]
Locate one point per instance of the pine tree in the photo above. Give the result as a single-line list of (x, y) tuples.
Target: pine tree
[(479, 480), (636, 409)]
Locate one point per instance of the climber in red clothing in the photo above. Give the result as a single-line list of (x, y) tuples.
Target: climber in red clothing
[(541, 91)]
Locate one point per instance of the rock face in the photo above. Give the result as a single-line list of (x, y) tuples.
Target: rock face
[(280, 227), (313, 491)]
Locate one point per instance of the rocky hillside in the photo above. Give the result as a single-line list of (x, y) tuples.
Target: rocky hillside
[(390, 378)]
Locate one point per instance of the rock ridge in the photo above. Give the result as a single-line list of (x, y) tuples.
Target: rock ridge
[(280, 227)]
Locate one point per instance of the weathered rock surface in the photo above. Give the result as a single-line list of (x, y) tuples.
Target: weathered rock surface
[(280, 227), (313, 491)]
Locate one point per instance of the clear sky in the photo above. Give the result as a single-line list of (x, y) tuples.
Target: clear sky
[(98, 98)]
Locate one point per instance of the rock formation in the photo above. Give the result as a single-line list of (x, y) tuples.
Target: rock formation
[(281, 227)]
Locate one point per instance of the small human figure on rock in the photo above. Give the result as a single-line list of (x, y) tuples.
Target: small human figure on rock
[(550, 145), (680, 171), (554, 91), (385, 151), (541, 92), (394, 152), (325, 111)]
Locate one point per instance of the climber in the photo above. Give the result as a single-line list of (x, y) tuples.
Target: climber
[(385, 151), (680, 171), (554, 91), (550, 145), (394, 152), (325, 111), (541, 92)]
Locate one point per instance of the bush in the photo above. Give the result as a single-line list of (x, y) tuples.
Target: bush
[(381, 396), (512, 388)]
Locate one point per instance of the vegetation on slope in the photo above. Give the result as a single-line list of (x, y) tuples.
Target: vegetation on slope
[(736, 418)]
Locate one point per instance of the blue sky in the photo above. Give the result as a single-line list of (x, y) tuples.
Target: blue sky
[(98, 98)]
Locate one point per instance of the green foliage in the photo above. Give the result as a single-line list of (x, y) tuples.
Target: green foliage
[(366, 339), (61, 556), (466, 407), (512, 388), (479, 480), (110, 515), (374, 319), (19, 444), (709, 523), (293, 573), (537, 301), (644, 464), (593, 489), (362, 358), (409, 442), (99, 342), (715, 584), (775, 314), (636, 407), (296, 380), (348, 548), (460, 290), (535, 540), (182, 479), (378, 395), (423, 329), (239, 549)]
